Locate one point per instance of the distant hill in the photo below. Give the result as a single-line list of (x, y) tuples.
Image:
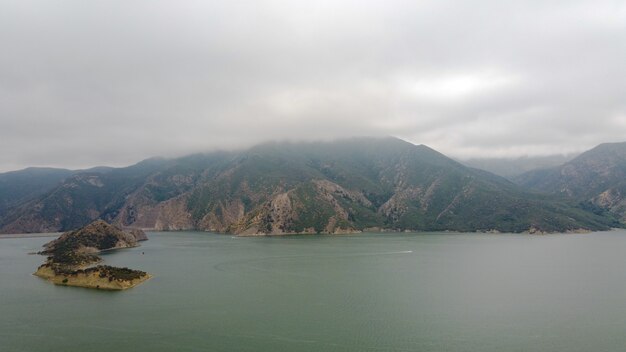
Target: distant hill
[(512, 167), (17, 187), (597, 177), (77, 200), (277, 188)]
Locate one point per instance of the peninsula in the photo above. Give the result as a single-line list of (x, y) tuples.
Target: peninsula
[(72, 256)]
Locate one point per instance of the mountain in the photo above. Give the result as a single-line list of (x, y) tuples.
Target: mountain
[(512, 167), (79, 199), (275, 188), (596, 177), (17, 187)]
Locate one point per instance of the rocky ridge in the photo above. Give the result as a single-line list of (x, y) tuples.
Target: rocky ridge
[(596, 179), (282, 188)]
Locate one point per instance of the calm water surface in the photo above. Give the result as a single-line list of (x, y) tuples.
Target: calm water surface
[(370, 292)]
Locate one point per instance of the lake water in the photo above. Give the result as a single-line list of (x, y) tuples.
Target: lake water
[(368, 292)]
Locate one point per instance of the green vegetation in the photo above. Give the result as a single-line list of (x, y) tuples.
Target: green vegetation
[(349, 185), (113, 273), (313, 212), (67, 259), (18, 187), (104, 271), (594, 181), (99, 235)]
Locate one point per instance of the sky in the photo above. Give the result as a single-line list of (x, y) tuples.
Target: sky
[(85, 83)]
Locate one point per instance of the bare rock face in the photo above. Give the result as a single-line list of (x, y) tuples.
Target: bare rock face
[(139, 234), (141, 212), (318, 206), (613, 199), (226, 214)]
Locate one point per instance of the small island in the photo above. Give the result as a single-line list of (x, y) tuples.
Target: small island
[(72, 256)]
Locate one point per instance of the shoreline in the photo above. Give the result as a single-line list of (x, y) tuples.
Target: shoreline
[(365, 231), (88, 279), (29, 235)]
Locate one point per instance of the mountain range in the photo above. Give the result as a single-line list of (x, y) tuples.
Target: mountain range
[(323, 187), (596, 178)]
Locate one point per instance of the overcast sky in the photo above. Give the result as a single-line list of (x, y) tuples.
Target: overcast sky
[(86, 83)]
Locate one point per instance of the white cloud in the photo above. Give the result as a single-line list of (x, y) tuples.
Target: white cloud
[(451, 88), (112, 82)]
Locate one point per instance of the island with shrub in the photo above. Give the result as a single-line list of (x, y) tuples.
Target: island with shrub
[(73, 258)]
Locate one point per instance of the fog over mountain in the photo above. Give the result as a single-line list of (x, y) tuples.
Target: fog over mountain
[(511, 167), (87, 83)]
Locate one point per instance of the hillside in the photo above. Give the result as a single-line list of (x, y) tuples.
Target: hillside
[(79, 199), (597, 176), (17, 187), (93, 238), (277, 188)]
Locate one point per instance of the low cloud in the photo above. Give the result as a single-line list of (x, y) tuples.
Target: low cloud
[(113, 82)]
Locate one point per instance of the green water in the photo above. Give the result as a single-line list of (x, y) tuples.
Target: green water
[(370, 292)]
